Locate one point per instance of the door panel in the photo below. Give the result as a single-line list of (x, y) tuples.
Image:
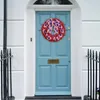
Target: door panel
[(45, 73), (45, 47), (43, 17), (64, 51), (52, 79), (61, 71)]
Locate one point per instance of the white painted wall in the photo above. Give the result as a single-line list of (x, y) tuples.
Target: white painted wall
[(16, 9), (90, 33)]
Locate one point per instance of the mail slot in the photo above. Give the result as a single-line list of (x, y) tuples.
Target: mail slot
[(53, 61)]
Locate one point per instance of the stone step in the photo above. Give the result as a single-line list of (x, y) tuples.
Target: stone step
[(53, 98)]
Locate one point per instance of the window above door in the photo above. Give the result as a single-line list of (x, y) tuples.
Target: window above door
[(52, 2)]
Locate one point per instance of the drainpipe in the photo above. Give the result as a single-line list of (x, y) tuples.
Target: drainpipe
[(5, 49)]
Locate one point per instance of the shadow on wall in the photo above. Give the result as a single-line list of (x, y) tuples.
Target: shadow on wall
[(50, 2)]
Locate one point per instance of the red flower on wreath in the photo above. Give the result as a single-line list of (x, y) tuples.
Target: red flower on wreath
[(53, 30)]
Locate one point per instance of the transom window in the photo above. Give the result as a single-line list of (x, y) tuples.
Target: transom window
[(52, 2)]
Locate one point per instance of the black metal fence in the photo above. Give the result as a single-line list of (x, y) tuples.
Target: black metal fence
[(93, 59), (8, 78)]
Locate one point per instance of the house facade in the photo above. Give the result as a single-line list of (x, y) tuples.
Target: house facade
[(57, 67)]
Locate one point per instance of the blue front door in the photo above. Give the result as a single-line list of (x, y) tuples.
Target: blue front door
[(53, 79)]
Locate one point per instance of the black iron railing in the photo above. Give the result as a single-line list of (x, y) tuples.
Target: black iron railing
[(6, 75), (8, 59), (93, 59)]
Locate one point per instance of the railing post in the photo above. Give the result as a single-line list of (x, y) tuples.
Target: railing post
[(96, 76), (93, 75), (10, 74), (7, 60), (4, 50), (99, 75), (90, 74), (1, 78)]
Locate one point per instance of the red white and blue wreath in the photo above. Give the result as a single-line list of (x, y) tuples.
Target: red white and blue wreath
[(53, 30)]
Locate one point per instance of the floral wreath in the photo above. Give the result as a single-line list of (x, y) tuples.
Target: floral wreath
[(53, 29)]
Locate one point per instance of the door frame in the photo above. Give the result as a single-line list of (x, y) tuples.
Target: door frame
[(29, 51), (59, 93)]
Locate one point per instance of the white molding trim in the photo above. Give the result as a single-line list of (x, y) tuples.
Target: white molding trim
[(29, 53), (50, 7)]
